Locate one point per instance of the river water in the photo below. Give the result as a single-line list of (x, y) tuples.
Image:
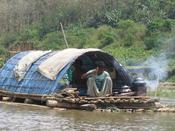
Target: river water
[(22, 118)]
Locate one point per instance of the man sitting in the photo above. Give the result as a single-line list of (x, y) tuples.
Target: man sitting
[(99, 82)]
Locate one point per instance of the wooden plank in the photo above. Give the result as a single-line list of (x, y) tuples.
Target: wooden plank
[(22, 95), (120, 97), (23, 104)]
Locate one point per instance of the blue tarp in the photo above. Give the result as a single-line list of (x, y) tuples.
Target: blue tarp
[(33, 82)]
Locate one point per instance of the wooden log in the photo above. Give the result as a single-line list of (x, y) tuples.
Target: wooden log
[(83, 102), (140, 110), (28, 101), (152, 100), (117, 97), (59, 109), (127, 94), (23, 104), (51, 103), (21, 95), (70, 90), (88, 107), (67, 105), (5, 98), (165, 109), (68, 100), (159, 105)]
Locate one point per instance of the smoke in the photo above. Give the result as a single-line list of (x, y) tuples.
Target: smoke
[(158, 70), (158, 65)]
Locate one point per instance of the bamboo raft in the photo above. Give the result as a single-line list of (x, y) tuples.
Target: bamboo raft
[(69, 99)]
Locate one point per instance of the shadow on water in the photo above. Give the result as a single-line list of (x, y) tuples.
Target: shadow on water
[(32, 118)]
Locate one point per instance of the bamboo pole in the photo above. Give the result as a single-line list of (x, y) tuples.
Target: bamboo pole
[(157, 84), (67, 46)]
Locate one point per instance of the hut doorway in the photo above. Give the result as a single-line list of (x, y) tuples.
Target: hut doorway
[(85, 63)]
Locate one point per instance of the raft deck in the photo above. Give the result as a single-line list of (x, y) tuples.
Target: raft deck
[(69, 99)]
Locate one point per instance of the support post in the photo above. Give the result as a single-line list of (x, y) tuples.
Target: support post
[(64, 35)]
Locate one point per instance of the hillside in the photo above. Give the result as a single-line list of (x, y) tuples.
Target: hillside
[(131, 30)]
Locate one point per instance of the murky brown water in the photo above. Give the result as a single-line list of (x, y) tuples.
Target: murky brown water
[(23, 118)]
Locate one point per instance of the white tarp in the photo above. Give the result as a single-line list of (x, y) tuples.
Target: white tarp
[(53, 65), (25, 63)]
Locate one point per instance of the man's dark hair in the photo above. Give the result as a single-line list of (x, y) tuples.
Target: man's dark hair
[(100, 64)]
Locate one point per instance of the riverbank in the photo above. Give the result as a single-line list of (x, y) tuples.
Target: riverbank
[(167, 85), (165, 89)]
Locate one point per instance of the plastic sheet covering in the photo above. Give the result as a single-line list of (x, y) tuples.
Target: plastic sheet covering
[(25, 63), (53, 65), (35, 83)]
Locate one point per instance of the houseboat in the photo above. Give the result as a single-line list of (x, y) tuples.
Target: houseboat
[(48, 78)]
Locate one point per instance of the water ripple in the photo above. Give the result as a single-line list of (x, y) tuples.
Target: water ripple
[(22, 118)]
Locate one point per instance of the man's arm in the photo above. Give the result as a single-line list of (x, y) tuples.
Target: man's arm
[(88, 74)]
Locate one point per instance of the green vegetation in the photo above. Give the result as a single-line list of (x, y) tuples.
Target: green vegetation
[(163, 92), (131, 30)]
